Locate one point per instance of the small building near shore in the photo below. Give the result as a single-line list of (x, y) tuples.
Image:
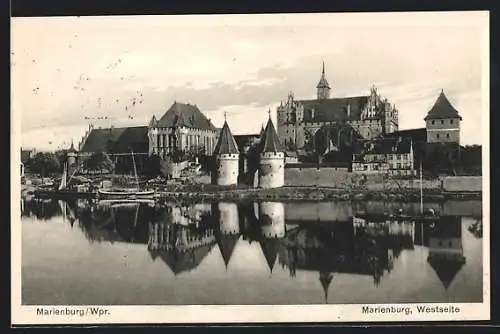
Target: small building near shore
[(385, 157)]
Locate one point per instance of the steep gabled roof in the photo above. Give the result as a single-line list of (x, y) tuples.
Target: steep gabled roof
[(185, 114), (117, 140), (442, 108), (336, 109), (226, 143), (270, 141)]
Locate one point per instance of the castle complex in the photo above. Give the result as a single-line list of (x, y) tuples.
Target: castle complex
[(299, 120), (360, 132)]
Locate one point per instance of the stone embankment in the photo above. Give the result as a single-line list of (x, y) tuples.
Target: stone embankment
[(316, 194)]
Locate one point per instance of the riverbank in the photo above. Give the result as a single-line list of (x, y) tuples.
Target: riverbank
[(316, 194)]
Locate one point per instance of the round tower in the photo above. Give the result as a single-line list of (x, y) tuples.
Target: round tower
[(272, 218), (227, 156), (228, 218), (272, 159)]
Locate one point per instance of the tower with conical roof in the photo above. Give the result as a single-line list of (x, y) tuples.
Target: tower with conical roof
[(443, 122), (323, 86), (226, 155), (272, 158)]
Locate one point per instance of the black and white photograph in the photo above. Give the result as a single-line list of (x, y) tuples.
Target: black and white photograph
[(263, 168)]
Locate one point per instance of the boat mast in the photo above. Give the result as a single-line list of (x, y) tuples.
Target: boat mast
[(135, 170), (64, 176), (421, 190)]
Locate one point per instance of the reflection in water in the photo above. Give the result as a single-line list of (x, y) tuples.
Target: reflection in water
[(181, 236)]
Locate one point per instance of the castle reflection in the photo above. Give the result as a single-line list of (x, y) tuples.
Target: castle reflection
[(182, 235)]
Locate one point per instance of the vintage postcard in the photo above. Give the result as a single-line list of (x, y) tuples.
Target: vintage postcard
[(250, 168)]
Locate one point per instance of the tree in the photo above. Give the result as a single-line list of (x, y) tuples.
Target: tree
[(99, 161), (45, 164), (153, 166), (166, 167)]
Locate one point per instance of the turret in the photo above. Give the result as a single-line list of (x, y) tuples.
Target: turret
[(323, 88), (153, 136), (226, 155), (272, 158), (72, 155)]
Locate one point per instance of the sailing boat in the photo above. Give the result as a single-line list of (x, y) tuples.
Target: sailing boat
[(127, 194)]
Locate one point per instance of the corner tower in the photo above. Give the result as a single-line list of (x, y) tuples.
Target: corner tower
[(272, 158), (323, 87), (443, 122), (226, 155)]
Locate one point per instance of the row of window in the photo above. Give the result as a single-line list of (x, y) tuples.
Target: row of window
[(442, 121), (381, 166), (447, 135)]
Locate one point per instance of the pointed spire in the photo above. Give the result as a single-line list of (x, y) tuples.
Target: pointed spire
[(269, 140), (226, 143), (323, 83), (72, 147)]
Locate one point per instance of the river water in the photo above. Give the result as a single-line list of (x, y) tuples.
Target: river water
[(78, 252)]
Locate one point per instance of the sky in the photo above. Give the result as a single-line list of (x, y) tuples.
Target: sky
[(68, 72)]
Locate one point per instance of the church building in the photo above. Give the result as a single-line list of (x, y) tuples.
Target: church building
[(298, 120)]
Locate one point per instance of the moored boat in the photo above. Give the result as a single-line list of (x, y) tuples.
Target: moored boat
[(130, 194)]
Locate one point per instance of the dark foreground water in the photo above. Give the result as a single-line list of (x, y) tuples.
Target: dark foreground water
[(257, 253)]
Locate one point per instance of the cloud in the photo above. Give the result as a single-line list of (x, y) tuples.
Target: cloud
[(235, 64)]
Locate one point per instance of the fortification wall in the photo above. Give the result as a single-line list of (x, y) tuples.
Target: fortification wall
[(326, 177), (341, 178), (463, 183)]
